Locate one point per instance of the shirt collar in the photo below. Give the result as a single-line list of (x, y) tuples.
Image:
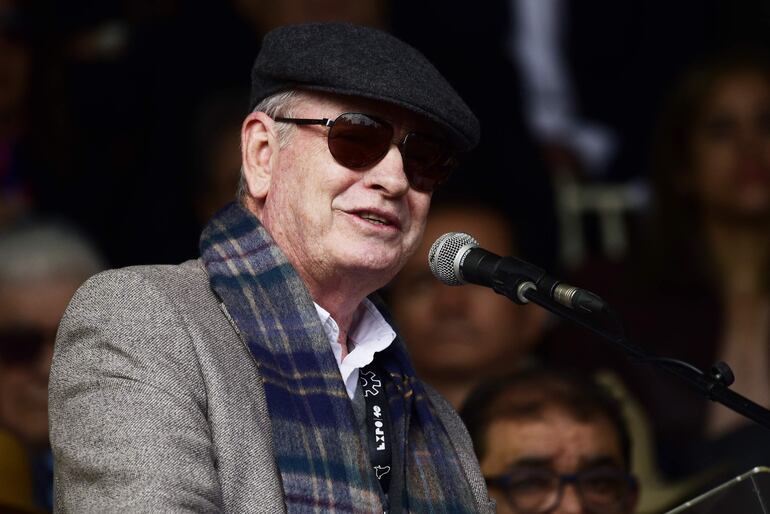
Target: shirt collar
[(369, 334)]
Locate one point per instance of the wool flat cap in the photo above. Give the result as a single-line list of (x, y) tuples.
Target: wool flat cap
[(360, 61)]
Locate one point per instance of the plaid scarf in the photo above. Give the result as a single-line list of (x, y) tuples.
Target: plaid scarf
[(324, 464)]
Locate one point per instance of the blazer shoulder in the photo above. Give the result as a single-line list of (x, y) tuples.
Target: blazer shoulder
[(179, 295), (167, 277), (188, 280), (129, 395)]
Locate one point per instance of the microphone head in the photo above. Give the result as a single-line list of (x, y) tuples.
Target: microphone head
[(446, 254)]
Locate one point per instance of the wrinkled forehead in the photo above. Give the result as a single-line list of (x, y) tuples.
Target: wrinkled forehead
[(554, 436), (311, 104)]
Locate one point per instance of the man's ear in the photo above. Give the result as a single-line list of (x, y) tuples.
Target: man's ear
[(259, 152)]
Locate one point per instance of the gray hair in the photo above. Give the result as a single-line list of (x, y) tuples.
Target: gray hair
[(46, 250), (278, 104)]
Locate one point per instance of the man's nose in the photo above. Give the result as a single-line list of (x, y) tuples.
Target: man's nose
[(570, 501), (388, 174)]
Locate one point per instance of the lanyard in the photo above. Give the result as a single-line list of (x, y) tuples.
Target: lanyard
[(378, 425)]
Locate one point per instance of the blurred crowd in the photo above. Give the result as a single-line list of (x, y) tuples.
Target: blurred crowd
[(625, 146)]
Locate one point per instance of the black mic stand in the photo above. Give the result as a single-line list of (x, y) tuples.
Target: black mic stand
[(714, 385)]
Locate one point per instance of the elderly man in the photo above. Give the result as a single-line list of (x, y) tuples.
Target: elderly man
[(261, 378)]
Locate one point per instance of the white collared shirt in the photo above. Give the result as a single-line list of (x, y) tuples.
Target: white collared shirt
[(370, 334)]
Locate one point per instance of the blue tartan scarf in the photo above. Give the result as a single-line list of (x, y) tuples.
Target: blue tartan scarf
[(323, 462)]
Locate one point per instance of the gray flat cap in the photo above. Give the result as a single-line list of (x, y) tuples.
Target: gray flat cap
[(360, 61)]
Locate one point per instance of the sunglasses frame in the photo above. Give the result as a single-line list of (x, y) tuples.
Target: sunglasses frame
[(447, 160)]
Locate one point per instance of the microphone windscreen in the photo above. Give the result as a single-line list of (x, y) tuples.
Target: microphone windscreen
[(444, 256)]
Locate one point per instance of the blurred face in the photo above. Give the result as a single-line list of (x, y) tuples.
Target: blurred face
[(24, 383), (338, 224), (459, 332), (731, 148), (554, 444)]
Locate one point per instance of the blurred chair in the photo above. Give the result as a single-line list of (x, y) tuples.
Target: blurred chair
[(611, 203)]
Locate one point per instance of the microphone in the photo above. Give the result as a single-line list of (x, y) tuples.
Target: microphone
[(456, 259)]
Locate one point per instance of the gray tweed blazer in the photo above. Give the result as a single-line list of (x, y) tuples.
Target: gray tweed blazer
[(156, 405)]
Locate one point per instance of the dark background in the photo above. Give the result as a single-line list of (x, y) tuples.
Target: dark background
[(111, 137)]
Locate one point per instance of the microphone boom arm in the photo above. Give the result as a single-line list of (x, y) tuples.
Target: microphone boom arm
[(455, 259), (713, 385)]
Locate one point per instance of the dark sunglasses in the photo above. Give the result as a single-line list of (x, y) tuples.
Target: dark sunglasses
[(22, 345), (359, 140)]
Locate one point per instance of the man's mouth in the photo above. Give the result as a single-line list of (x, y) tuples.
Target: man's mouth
[(377, 218), (373, 218)]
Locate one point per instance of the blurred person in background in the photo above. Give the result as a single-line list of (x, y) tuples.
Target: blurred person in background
[(41, 266), (698, 288), (713, 183), (551, 442), (458, 336)]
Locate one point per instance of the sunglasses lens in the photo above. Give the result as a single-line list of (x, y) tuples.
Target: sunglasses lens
[(427, 161), (357, 140)]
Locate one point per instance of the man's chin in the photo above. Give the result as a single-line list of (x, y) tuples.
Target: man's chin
[(374, 262)]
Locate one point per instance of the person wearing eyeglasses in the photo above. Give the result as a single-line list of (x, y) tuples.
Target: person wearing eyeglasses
[(42, 263), (265, 376), (551, 442)]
